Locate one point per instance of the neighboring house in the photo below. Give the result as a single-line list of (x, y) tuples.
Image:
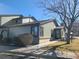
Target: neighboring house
[(75, 28), (46, 28), (17, 26)]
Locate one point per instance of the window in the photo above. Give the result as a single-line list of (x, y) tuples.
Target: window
[(41, 31), (18, 21), (35, 30), (58, 33)]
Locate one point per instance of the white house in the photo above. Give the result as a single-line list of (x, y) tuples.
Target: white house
[(16, 26)]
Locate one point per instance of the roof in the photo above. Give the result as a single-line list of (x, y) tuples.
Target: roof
[(60, 27), (18, 25), (24, 24), (21, 17), (48, 21)]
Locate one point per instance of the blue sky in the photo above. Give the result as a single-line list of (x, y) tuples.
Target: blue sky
[(24, 7)]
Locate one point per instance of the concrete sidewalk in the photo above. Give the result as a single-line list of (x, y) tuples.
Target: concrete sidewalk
[(32, 48), (44, 41)]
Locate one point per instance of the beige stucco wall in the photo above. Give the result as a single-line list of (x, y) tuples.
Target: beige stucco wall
[(16, 31), (5, 19), (47, 29)]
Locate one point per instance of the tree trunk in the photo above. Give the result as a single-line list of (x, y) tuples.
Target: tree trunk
[(68, 37)]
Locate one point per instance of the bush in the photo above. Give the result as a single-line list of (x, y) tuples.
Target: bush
[(18, 42)]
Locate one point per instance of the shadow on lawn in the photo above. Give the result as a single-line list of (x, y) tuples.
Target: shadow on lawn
[(76, 53), (49, 50), (54, 53)]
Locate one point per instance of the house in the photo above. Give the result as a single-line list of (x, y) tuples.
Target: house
[(75, 28), (46, 28), (26, 28), (18, 26)]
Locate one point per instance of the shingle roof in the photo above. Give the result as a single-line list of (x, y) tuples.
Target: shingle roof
[(47, 21), (25, 24)]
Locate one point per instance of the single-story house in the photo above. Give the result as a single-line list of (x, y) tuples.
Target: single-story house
[(46, 28), (18, 26)]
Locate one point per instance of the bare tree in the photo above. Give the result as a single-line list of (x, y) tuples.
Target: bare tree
[(67, 10)]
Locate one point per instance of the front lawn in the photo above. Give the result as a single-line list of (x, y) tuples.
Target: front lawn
[(74, 46)]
